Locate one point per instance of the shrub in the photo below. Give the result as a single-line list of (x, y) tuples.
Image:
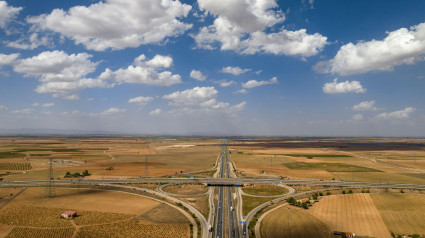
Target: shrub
[(350, 191), (343, 191)]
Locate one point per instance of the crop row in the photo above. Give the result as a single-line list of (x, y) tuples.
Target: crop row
[(15, 166), (134, 229), (19, 232)]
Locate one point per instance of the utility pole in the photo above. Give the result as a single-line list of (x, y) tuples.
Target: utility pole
[(146, 166), (50, 187)]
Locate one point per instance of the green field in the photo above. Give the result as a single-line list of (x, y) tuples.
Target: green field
[(330, 167), (8, 155)]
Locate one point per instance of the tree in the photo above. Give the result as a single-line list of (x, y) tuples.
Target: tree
[(343, 191), (350, 191), (67, 175), (86, 173), (328, 193), (314, 196), (305, 205)]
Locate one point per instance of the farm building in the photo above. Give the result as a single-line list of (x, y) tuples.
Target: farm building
[(69, 214)]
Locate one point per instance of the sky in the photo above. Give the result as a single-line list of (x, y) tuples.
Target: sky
[(207, 67)]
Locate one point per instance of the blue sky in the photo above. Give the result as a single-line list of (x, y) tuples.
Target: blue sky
[(239, 67)]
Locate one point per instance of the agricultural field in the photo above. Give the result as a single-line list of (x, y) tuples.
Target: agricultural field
[(134, 229), (293, 222), (351, 213), (98, 212), (250, 202), (19, 232), (402, 213), (105, 157)]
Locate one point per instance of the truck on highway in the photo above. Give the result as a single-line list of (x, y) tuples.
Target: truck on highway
[(210, 228), (232, 209)]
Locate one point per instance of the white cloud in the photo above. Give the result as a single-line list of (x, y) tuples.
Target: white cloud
[(196, 74), (402, 46), (31, 43), (193, 96), (117, 24), (48, 104), (241, 26), (401, 114), (200, 99), (8, 59), (7, 13), (255, 83), (145, 72), (23, 111), (365, 106), (225, 83), (112, 111), (72, 97), (60, 73), (3, 108), (241, 91), (358, 117), (343, 87), (141, 101), (36, 104), (234, 70), (155, 112)]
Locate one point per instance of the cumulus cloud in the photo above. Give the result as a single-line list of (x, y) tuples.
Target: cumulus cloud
[(8, 59), (193, 96), (343, 87), (31, 43), (401, 114), (117, 24), (155, 112), (144, 71), (225, 83), (402, 46), (7, 13), (241, 26), (141, 101), (60, 73), (196, 74), (112, 111), (365, 106), (234, 70), (241, 91), (3, 108), (255, 83), (200, 99)]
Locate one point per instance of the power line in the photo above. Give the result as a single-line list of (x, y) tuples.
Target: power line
[(50, 186)]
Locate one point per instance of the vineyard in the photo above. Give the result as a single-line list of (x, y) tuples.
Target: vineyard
[(15, 166), (19, 232), (91, 217), (134, 229), (21, 215)]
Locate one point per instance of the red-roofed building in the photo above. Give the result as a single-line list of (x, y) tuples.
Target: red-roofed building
[(69, 214)]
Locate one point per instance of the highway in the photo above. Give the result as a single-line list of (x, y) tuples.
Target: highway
[(217, 181), (231, 221), (219, 227)]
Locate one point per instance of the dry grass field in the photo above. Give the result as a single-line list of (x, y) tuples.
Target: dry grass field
[(186, 189), (293, 223), (402, 213), (352, 213), (264, 190)]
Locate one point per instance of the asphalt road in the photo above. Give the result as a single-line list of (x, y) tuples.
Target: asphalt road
[(219, 227)]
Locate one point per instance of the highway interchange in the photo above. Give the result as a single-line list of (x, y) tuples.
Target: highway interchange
[(225, 211)]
